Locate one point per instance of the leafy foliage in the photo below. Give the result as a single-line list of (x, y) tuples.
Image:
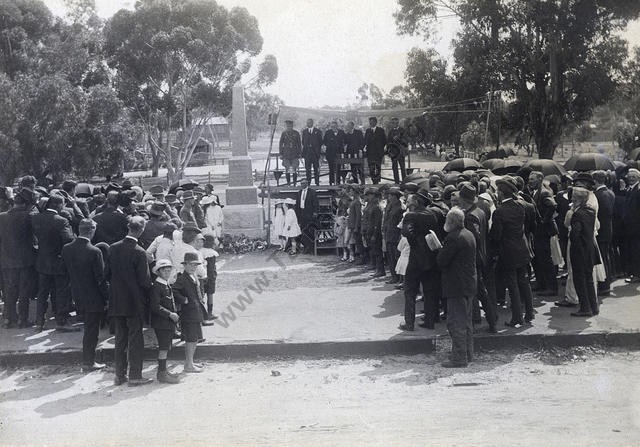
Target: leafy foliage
[(176, 62), (557, 59)]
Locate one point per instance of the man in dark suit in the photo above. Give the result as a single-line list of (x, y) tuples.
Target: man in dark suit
[(354, 140), (606, 200), (507, 235), (632, 224), (311, 150), (546, 283), (375, 141), (52, 232), (17, 258), (422, 260), (372, 230), (112, 223), (84, 264), (583, 252), (476, 222), (397, 149), (307, 210), (459, 283), (128, 274), (392, 234), (155, 225), (334, 142)]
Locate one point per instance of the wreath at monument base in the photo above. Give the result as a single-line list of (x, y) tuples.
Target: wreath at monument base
[(237, 244)]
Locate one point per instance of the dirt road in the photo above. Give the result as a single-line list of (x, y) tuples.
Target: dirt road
[(574, 399)]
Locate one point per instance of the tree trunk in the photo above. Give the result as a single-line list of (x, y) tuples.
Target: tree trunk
[(155, 164)]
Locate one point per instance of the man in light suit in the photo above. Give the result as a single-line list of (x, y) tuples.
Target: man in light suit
[(311, 149), (375, 141), (128, 274), (84, 264), (306, 210)]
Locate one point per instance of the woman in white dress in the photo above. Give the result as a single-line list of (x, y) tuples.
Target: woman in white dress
[(213, 216), (291, 227)]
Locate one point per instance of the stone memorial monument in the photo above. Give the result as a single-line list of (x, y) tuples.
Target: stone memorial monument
[(242, 213)]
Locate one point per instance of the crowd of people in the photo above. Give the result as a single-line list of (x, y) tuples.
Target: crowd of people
[(116, 257), (121, 257), (465, 241)]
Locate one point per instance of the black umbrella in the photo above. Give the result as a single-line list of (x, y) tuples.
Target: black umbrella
[(589, 162), (502, 167), (185, 184), (461, 164), (547, 167)]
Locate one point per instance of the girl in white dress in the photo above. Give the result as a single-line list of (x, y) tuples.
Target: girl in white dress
[(277, 233), (291, 227)]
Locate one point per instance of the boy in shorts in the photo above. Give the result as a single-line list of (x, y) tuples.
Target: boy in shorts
[(163, 317)]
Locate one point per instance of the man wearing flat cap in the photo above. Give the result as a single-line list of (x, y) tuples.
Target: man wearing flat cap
[(422, 260), (507, 235), (290, 149), (85, 267)]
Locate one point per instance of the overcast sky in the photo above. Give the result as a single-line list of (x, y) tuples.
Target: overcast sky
[(327, 49)]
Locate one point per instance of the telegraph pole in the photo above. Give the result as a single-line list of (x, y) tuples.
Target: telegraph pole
[(486, 130)]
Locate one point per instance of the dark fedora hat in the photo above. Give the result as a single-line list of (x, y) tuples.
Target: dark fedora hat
[(425, 195), (157, 208), (586, 179), (191, 226), (507, 184), (191, 258)]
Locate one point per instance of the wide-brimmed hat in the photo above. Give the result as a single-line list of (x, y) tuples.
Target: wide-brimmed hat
[(191, 258), (207, 200), (160, 264), (157, 208)]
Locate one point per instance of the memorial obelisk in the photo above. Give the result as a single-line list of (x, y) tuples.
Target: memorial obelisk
[(242, 214)]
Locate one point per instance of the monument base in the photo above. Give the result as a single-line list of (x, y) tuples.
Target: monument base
[(244, 219)]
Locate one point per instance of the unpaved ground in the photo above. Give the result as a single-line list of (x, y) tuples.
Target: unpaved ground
[(574, 398)]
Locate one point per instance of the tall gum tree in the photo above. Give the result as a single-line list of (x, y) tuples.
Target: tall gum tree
[(175, 64), (558, 58)]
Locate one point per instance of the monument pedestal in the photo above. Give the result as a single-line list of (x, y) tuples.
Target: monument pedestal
[(244, 219), (242, 214)]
